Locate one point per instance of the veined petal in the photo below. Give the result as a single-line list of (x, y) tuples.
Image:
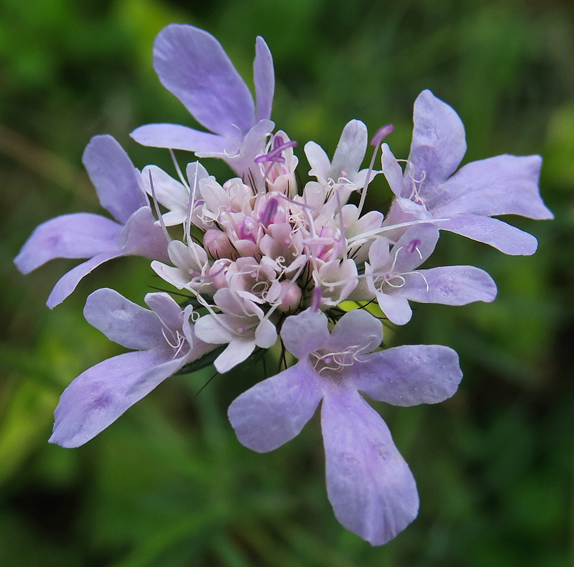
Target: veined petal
[(264, 79), (98, 396), (318, 160), (369, 484), (501, 185), (409, 375), (122, 321), (193, 66), (275, 411), (305, 333), (80, 235), (438, 144), (178, 137), (449, 285), (395, 307), (169, 192), (68, 282), (114, 176), (504, 237)]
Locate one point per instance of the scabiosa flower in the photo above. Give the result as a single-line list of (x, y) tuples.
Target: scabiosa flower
[(85, 235), (164, 341), (464, 202), (259, 257), (370, 486)]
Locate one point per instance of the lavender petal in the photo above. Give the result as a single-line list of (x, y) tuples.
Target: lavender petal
[(114, 176), (369, 484), (193, 66), (274, 411), (264, 79), (80, 235), (178, 137), (409, 375)]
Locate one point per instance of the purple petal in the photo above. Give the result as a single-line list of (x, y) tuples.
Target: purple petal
[(193, 66), (449, 285), (395, 307), (80, 235), (504, 237), (178, 138), (501, 185), (114, 176), (438, 144), (98, 396), (369, 484), (414, 247), (357, 328), (166, 308), (68, 282), (143, 237), (392, 170), (264, 79), (409, 375), (122, 321), (305, 333), (274, 411)]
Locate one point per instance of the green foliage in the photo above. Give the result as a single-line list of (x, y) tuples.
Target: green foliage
[(168, 484)]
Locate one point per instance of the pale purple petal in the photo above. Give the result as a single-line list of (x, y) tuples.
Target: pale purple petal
[(114, 176), (504, 237), (305, 333), (274, 411), (236, 352), (68, 282), (142, 236), (350, 150), (214, 329), (80, 235), (449, 285), (395, 307), (392, 170), (369, 484), (122, 321), (193, 66), (501, 185), (166, 308), (97, 397), (178, 137), (318, 160), (358, 330), (264, 79), (266, 334), (438, 144), (409, 375), (414, 247)]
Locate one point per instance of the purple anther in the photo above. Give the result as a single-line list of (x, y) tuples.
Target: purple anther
[(316, 299), (275, 154), (269, 212), (382, 133), (413, 245)]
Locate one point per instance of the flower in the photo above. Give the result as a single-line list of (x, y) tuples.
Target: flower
[(370, 486), (164, 341), (192, 65), (462, 202), (85, 235), (392, 276)]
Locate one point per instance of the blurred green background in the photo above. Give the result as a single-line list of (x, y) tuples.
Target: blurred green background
[(168, 485)]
